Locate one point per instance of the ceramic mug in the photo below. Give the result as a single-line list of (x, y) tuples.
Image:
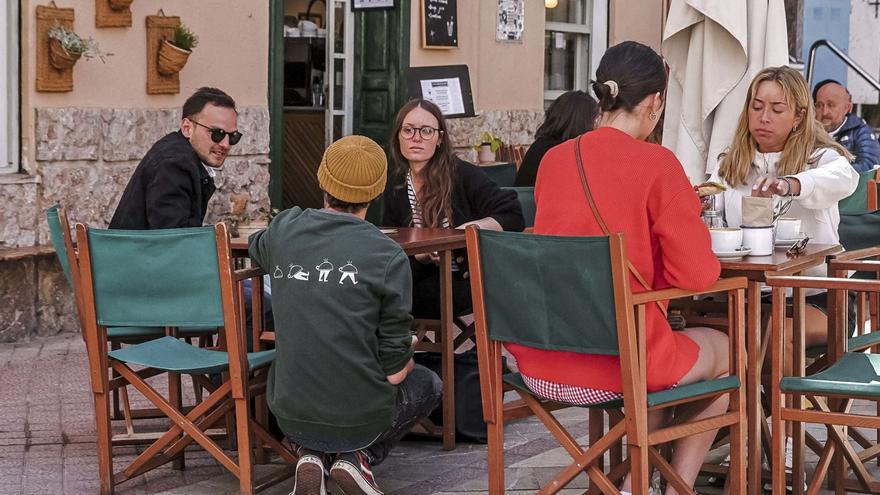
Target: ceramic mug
[(758, 239), (726, 239), (788, 228)]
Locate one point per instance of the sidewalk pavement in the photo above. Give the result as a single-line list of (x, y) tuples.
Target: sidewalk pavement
[(47, 442)]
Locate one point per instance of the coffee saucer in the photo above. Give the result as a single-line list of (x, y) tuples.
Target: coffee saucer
[(786, 243), (739, 253)]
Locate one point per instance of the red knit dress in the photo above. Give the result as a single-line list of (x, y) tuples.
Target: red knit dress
[(641, 190)]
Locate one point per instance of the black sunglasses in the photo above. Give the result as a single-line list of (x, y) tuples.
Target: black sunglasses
[(218, 134)]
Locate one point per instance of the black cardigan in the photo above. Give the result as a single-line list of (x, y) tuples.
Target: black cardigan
[(474, 196)]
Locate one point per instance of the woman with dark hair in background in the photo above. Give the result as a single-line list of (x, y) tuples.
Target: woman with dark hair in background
[(569, 116), (639, 189), (429, 187)]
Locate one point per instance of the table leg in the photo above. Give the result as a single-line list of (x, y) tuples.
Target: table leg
[(753, 386), (447, 329)]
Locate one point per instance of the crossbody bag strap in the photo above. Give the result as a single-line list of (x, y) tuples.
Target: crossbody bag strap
[(601, 222)]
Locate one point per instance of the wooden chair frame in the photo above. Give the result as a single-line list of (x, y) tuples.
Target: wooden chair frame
[(641, 444), (829, 409), (120, 404), (231, 397)]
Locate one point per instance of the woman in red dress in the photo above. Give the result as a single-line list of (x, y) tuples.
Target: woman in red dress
[(639, 189)]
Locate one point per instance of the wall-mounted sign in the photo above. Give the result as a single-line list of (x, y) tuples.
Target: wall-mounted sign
[(509, 23), (447, 86), (372, 4), (439, 24)]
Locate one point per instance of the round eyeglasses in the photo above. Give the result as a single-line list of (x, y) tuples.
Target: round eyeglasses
[(426, 132)]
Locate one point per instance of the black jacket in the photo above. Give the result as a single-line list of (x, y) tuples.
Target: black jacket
[(170, 188), (528, 170), (474, 196)]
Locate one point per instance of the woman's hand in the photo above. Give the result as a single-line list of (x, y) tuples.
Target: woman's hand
[(768, 186), (428, 258)]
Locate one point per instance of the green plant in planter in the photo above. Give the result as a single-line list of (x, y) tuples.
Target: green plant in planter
[(184, 38), (75, 45), (488, 138)]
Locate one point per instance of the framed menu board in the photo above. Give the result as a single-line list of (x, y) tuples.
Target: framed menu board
[(448, 86), (439, 24)]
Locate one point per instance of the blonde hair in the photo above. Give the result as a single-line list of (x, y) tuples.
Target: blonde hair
[(800, 145)]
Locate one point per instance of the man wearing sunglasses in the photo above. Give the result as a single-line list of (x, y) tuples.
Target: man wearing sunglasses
[(171, 186)]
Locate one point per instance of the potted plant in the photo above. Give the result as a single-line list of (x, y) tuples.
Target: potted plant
[(486, 147), (174, 52), (66, 47)]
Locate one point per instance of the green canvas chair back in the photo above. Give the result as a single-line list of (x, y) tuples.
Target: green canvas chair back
[(526, 197), (857, 202), (156, 278), (549, 292), (56, 234)]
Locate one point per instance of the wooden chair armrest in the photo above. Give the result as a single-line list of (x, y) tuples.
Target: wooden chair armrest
[(858, 254), (858, 265), (247, 273), (722, 285), (828, 283)]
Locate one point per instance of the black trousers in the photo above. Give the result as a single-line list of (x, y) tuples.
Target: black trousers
[(426, 291)]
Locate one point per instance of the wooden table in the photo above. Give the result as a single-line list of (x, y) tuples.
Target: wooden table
[(757, 269), (417, 241)]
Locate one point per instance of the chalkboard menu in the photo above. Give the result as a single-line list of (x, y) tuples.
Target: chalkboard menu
[(439, 24)]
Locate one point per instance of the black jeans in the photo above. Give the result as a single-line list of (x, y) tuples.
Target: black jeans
[(417, 396), (268, 316), (426, 291)]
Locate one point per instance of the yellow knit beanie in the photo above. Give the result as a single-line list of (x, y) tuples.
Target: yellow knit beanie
[(354, 169)]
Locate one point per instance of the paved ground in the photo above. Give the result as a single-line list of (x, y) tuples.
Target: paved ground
[(47, 442)]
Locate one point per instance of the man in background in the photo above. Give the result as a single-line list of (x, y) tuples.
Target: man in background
[(834, 110)]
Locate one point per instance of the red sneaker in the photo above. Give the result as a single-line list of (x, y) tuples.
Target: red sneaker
[(352, 474)]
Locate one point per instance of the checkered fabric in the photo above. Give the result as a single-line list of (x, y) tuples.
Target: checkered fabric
[(569, 393)]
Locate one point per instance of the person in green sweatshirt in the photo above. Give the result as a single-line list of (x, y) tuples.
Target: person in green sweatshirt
[(343, 385)]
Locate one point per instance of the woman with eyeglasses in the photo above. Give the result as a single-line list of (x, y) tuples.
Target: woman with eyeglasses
[(428, 186)]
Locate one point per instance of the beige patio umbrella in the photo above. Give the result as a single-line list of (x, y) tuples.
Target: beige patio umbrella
[(714, 48)]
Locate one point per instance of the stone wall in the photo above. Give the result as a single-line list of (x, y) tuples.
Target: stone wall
[(511, 126), (84, 158)]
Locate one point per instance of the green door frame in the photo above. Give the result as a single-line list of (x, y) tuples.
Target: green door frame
[(276, 101)]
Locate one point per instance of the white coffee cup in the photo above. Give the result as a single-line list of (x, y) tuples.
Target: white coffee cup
[(758, 239), (788, 228), (726, 239)]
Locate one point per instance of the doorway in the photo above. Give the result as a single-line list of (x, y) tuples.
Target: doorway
[(328, 66)]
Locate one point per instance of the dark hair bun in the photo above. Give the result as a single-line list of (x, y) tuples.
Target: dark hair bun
[(638, 71), (603, 94)]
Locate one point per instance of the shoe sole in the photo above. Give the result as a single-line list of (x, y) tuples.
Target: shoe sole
[(309, 480), (350, 481)]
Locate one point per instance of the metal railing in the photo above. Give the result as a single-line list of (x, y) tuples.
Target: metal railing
[(842, 56)]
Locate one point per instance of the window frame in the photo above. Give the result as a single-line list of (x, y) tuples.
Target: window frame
[(9, 90), (590, 43)]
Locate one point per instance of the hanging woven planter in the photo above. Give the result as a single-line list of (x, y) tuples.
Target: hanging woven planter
[(120, 4), (60, 58), (171, 58)]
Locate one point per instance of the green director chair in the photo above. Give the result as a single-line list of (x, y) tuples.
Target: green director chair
[(168, 279), (573, 294)]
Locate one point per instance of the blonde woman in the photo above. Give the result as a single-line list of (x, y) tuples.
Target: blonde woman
[(780, 150)]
